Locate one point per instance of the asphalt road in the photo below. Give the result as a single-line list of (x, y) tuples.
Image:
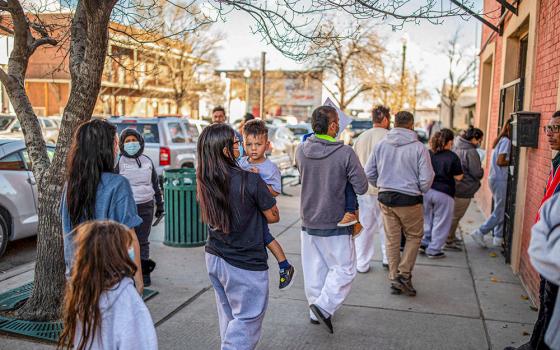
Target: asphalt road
[(18, 253)]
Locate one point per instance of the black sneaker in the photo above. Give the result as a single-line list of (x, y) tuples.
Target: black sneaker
[(439, 255), (452, 247), (147, 280), (408, 289), (385, 266), (397, 287), (422, 249), (286, 278), (325, 321), (312, 321)]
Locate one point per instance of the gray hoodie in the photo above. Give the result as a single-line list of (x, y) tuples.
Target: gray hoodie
[(472, 168), (544, 251), (126, 323), (400, 163), (326, 167)]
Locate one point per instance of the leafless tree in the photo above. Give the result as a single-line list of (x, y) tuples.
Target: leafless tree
[(461, 68), (354, 65), (291, 26), (191, 59)]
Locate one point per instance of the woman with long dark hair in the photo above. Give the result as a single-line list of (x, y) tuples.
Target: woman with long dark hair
[(438, 201), (235, 204), (465, 148), (497, 179), (93, 191), (102, 309)]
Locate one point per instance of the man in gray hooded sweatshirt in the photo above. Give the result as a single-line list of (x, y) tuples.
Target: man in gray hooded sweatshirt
[(327, 250), (400, 167)]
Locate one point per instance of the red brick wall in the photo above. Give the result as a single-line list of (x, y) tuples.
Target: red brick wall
[(544, 100), (484, 195)]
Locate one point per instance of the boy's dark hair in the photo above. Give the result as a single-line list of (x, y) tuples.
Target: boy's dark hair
[(556, 114), (248, 116), (255, 127), (218, 109), (379, 113), (404, 119), (473, 133), (321, 118)]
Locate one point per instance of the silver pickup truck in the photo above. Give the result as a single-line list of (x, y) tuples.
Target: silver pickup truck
[(170, 142)]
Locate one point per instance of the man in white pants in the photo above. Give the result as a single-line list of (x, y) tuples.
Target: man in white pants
[(370, 212), (327, 166)]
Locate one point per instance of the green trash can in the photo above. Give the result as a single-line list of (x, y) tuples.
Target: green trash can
[(183, 223)]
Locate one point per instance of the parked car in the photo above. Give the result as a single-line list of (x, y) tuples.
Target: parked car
[(199, 124), (422, 135), (18, 192), (169, 142), (355, 129), (299, 130), (10, 126), (50, 129), (282, 142)]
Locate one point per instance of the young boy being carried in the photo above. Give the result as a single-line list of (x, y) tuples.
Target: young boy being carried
[(255, 144)]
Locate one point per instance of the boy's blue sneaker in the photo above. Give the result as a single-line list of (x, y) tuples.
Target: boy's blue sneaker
[(286, 277)]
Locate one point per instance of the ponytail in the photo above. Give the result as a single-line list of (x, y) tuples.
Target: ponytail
[(440, 139)]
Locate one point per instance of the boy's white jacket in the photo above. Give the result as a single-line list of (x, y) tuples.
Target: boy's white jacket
[(126, 322), (544, 251)]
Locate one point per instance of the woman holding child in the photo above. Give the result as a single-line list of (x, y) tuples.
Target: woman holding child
[(236, 205)]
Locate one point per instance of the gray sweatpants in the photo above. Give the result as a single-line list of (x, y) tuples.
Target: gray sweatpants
[(241, 299), (438, 216)]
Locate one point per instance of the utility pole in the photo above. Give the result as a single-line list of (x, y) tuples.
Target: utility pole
[(404, 41), (263, 79)]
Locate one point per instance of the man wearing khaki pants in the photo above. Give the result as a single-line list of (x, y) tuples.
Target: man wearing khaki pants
[(400, 167)]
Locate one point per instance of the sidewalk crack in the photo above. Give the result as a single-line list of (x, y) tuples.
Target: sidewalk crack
[(482, 317), (182, 306)]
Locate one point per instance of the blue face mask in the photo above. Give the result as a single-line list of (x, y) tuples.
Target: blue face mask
[(132, 148), (131, 253)]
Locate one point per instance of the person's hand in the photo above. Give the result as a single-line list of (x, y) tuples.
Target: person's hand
[(159, 212)]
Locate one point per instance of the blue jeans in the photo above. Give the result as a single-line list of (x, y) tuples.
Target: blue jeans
[(241, 299), (496, 220), (350, 199), (267, 237)]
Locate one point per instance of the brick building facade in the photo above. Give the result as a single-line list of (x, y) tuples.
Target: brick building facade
[(520, 71), (138, 79)]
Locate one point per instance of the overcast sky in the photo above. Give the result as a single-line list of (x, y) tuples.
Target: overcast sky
[(424, 47)]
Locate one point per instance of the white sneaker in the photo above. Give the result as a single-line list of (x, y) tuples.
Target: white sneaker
[(497, 242), (478, 237)]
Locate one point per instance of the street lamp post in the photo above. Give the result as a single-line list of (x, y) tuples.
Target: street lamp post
[(404, 40), (247, 75)]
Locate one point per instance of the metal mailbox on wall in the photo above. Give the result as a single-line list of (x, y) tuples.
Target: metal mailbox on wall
[(525, 128)]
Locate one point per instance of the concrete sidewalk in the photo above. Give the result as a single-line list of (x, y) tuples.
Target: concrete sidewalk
[(470, 300)]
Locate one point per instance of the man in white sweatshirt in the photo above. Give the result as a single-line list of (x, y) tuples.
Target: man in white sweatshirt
[(370, 213)]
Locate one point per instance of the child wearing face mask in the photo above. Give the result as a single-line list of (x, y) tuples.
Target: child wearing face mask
[(139, 169)]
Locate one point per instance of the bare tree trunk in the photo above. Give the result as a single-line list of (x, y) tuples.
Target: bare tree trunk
[(88, 49), (451, 114)]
